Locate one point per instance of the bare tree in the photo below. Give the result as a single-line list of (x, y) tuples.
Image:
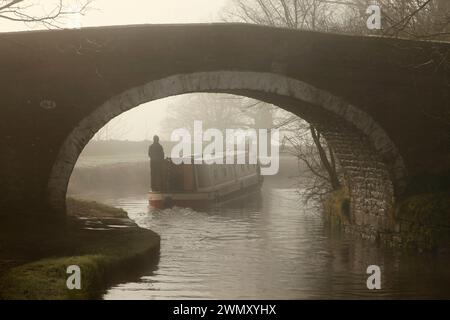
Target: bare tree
[(306, 141), (214, 110), (51, 13), (417, 19), (318, 172), (293, 14)]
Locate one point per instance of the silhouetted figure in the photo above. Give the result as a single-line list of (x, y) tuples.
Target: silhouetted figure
[(156, 154)]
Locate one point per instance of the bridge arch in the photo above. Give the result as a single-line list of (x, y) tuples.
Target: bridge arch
[(373, 168)]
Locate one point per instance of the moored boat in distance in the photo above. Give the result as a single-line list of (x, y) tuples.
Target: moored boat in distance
[(201, 185)]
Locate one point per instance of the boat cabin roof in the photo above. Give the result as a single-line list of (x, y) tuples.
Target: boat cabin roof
[(215, 156)]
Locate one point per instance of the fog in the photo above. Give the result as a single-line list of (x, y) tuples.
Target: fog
[(107, 12), (209, 195)]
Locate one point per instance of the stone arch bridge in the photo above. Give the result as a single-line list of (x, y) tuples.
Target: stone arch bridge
[(377, 101)]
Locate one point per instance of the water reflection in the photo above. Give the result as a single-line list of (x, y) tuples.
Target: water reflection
[(269, 248)]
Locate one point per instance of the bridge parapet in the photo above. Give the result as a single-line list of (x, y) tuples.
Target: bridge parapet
[(377, 111)]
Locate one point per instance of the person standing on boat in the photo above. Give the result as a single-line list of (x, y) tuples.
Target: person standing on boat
[(156, 154)]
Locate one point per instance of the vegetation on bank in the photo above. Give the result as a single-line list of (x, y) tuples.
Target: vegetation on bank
[(427, 209), (337, 207), (83, 208), (421, 221), (104, 257)]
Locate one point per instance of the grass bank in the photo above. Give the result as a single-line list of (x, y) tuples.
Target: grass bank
[(102, 241)]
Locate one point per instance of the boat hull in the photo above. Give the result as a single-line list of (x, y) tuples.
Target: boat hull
[(201, 185), (198, 200)]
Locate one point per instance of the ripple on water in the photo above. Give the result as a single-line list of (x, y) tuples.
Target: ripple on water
[(277, 249)]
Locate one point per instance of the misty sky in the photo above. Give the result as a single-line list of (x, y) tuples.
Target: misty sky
[(109, 12), (135, 124)]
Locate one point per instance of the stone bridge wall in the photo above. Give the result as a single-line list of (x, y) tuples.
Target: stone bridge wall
[(362, 152), (378, 101), (367, 177)]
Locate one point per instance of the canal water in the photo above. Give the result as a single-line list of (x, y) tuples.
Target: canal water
[(271, 246)]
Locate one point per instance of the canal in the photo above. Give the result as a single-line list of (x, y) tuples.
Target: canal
[(271, 246)]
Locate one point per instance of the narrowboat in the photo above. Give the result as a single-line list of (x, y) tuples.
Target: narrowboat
[(201, 185)]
